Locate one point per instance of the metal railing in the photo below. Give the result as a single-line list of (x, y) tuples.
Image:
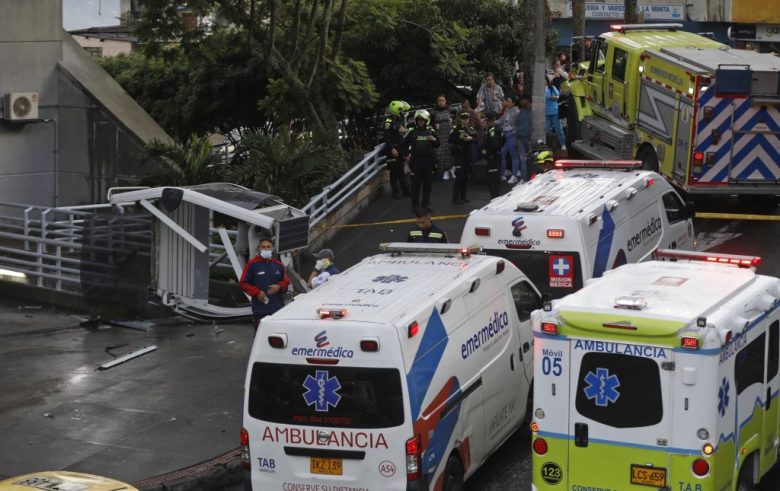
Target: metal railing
[(54, 247), (335, 194)]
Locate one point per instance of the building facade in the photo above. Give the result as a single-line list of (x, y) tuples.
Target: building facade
[(68, 131)]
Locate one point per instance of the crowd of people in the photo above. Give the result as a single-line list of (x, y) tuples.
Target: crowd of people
[(440, 143), (445, 143)]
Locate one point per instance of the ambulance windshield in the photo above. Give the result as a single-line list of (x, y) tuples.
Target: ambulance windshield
[(556, 273), (619, 390), (310, 395)]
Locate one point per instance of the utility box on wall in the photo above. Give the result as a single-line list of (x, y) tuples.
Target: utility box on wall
[(21, 107)]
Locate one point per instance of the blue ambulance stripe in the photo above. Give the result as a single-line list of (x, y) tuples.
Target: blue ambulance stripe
[(426, 361), (605, 244)]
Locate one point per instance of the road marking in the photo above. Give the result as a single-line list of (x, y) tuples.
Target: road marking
[(737, 216)]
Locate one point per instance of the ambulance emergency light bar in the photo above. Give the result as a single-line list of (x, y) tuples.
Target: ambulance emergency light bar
[(597, 164), (398, 247), (669, 26), (733, 259)]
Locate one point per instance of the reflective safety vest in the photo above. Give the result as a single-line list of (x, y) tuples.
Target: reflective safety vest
[(433, 234)]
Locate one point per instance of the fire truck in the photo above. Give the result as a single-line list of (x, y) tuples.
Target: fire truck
[(703, 115)]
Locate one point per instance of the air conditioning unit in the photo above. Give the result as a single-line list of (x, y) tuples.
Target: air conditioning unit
[(21, 106)]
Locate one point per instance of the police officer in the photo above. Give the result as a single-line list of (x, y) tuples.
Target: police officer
[(394, 131), (462, 139), (419, 152), (491, 148), (426, 231)]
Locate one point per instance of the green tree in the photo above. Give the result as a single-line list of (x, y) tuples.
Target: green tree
[(292, 168), (298, 44), (182, 164), (415, 50)]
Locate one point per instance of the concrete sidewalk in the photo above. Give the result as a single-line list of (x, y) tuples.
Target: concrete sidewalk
[(161, 412)]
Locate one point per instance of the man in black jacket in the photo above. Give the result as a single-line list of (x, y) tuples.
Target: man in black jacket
[(419, 152), (426, 231)]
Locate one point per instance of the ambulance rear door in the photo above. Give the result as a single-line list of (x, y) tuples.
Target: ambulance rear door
[(619, 416)]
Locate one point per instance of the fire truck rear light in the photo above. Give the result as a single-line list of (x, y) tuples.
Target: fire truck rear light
[(277, 340), (245, 449), (555, 233), (550, 327), (734, 259), (597, 164), (707, 112), (715, 137), (709, 158), (413, 329), (540, 446), (698, 158), (331, 313), (369, 344), (413, 452), (689, 342), (535, 426), (482, 231), (700, 467), (707, 449)]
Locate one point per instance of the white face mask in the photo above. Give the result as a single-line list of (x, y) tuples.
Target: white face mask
[(319, 264), (266, 254)]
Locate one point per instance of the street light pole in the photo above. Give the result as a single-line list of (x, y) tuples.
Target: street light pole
[(539, 81)]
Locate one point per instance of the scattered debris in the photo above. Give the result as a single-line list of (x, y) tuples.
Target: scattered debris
[(135, 324), (127, 357), (190, 334), (111, 348)]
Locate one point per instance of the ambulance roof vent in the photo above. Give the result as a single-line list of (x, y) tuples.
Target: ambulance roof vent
[(527, 207), (631, 303)]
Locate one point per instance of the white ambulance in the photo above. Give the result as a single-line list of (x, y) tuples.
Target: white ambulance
[(580, 219), (404, 372), (660, 375)]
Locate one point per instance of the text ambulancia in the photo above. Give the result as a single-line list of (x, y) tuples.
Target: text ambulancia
[(404, 372), (662, 375)]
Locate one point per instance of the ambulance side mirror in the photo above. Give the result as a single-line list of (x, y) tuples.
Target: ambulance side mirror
[(546, 302)]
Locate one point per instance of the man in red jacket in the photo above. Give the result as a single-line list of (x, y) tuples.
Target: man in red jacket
[(265, 280)]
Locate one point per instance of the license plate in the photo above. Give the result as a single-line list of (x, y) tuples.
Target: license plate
[(331, 467), (648, 476)]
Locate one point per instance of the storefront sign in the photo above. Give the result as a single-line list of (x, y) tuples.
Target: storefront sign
[(615, 11)]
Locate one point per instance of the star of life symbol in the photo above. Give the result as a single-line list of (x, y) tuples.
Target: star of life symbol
[(392, 278), (321, 391), (602, 387), (561, 266), (723, 397)]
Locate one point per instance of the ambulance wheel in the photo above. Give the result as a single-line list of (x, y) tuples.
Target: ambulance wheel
[(648, 157), (453, 475), (745, 482)]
